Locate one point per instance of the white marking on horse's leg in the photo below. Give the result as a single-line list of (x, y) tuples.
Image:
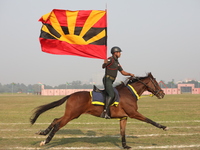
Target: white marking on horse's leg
[(166, 129), (42, 143)]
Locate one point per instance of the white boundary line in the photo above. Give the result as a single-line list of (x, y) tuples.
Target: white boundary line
[(147, 128), (85, 136), (93, 148), (184, 121)]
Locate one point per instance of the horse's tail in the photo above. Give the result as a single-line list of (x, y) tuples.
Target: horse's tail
[(39, 110)]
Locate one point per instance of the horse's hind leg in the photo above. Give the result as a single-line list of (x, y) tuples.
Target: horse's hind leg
[(72, 111), (54, 127), (51, 135), (45, 132), (57, 124)]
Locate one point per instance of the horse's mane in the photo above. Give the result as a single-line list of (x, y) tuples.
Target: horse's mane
[(131, 80)]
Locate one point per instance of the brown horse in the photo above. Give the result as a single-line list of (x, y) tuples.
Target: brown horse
[(80, 103)]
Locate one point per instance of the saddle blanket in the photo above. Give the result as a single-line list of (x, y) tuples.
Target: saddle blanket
[(99, 99)]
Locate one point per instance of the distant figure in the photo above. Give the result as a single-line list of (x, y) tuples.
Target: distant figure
[(112, 66)]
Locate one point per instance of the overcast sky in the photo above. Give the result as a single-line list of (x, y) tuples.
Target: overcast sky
[(158, 36)]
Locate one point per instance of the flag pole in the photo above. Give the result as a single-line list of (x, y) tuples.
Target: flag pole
[(106, 30), (106, 57), (12, 88)]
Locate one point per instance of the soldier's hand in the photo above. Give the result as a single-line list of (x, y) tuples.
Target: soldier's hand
[(132, 75)]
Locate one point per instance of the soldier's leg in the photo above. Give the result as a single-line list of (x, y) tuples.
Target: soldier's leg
[(110, 91)]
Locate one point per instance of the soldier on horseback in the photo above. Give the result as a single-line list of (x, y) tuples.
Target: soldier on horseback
[(112, 66)]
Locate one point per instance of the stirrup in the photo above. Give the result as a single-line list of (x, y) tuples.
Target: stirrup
[(107, 116), (103, 114)]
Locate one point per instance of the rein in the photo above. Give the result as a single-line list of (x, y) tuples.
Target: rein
[(154, 92)]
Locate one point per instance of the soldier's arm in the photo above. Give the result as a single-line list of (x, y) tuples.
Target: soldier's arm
[(126, 73)]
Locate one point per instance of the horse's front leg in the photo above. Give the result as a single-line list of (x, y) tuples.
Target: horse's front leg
[(156, 124), (122, 132), (139, 116)]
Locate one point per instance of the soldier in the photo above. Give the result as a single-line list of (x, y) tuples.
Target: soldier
[(112, 67)]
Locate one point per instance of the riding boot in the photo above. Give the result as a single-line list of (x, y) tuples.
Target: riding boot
[(107, 107)]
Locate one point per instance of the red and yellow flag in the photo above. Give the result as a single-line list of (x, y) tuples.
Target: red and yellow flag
[(80, 33)]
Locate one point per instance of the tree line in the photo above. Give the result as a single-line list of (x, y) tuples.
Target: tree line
[(36, 88)]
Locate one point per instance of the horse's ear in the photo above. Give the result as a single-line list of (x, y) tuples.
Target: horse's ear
[(150, 75)]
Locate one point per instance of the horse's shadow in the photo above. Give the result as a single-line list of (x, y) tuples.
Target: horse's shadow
[(68, 132), (91, 139)]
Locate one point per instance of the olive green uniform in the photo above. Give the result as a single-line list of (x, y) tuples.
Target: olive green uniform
[(112, 67)]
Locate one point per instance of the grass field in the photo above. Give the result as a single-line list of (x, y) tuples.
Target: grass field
[(181, 113)]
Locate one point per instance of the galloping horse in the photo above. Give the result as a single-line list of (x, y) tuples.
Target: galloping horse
[(80, 103)]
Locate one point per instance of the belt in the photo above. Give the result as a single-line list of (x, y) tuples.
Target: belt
[(110, 77)]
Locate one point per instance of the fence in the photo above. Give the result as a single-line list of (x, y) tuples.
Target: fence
[(180, 90)]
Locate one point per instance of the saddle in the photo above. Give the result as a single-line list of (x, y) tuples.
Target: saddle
[(99, 97)]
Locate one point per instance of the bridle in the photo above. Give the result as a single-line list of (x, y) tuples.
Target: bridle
[(154, 92), (158, 89)]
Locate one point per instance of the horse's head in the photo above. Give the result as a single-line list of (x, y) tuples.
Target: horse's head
[(153, 87), (150, 84)]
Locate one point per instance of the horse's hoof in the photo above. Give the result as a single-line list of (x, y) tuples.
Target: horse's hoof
[(38, 133), (42, 143), (165, 129), (127, 147)]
